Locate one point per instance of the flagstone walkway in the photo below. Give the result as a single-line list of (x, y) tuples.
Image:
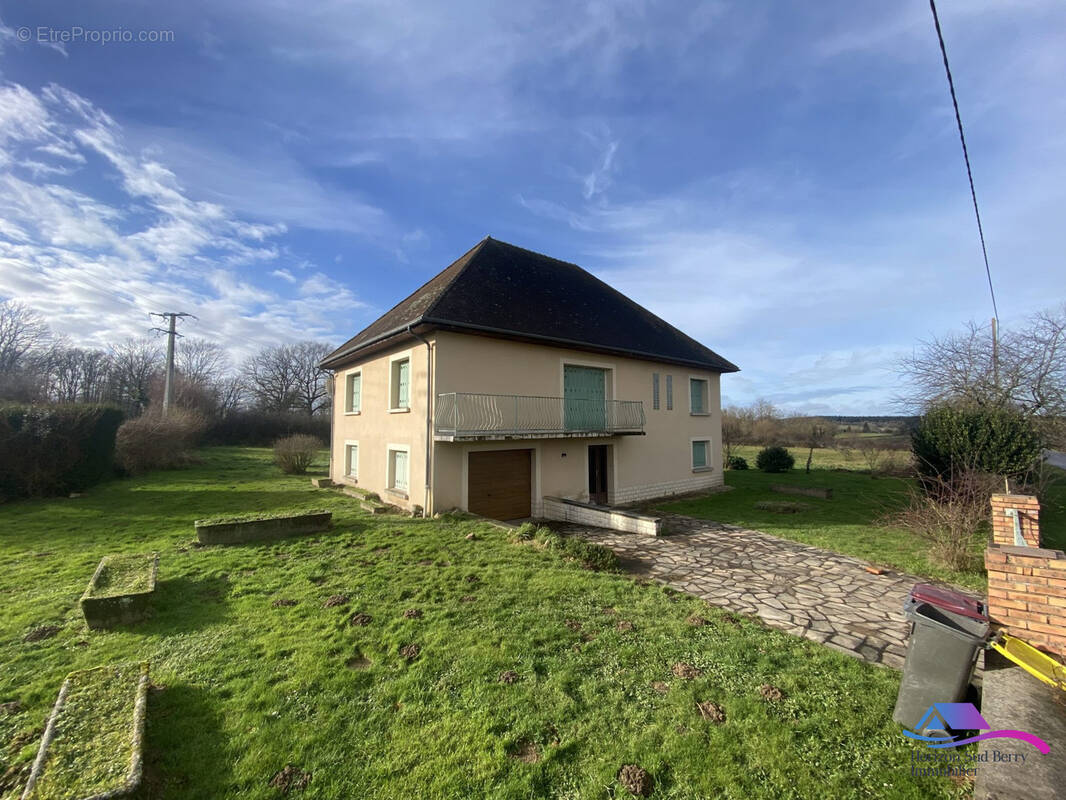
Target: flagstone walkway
[(822, 595)]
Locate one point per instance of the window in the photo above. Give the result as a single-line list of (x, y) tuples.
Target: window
[(697, 396), (700, 450), (353, 392), (400, 384), (669, 392), (398, 470), (655, 390), (351, 459)]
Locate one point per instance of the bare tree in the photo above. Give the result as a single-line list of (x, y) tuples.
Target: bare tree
[(78, 376), (288, 377), (22, 331), (231, 394), (201, 361), (134, 363), (736, 428), (311, 392), (817, 432), (1028, 372), (271, 379)]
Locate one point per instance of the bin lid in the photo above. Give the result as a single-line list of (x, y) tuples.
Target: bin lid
[(949, 600)]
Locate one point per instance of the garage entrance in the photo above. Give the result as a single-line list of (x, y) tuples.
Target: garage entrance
[(500, 483)]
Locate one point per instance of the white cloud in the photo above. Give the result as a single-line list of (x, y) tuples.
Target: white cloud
[(95, 269)]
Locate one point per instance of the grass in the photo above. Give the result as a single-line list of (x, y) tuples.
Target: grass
[(830, 458), (256, 672), (123, 574), (94, 734), (848, 523)]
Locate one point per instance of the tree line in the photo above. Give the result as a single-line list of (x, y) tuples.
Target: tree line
[(38, 366)]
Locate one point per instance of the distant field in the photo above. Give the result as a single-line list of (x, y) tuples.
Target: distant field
[(830, 458)]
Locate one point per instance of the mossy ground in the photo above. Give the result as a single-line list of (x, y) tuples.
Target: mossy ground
[(248, 685)]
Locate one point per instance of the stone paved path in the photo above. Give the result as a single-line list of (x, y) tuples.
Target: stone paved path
[(803, 590)]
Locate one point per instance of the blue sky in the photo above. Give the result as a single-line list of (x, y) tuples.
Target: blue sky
[(782, 181)]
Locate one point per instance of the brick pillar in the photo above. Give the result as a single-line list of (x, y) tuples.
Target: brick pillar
[(1028, 508)]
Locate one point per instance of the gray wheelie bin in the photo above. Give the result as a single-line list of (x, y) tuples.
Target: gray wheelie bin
[(948, 630)]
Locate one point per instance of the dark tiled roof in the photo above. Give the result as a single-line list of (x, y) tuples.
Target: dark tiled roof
[(501, 289)]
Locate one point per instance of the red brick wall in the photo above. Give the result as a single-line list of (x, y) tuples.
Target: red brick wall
[(1028, 515), (1027, 594)]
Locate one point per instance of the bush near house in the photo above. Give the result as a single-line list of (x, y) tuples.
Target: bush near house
[(55, 450), (153, 441), (294, 454), (775, 459), (737, 462)]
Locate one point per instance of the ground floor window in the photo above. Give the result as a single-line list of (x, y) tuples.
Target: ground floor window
[(351, 459), (701, 449), (398, 469)]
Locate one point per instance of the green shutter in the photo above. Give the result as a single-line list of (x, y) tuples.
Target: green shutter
[(699, 454), (584, 398), (403, 382), (696, 389), (353, 460)]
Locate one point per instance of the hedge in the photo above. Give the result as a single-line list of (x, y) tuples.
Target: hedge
[(55, 450), (263, 428)]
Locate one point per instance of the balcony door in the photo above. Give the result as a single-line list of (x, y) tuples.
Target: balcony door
[(584, 398)]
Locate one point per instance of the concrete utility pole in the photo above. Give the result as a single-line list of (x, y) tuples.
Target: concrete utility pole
[(171, 332)]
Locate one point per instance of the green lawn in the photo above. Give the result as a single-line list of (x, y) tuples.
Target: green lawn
[(255, 673), (847, 523)]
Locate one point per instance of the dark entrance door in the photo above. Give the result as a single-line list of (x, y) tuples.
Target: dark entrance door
[(598, 474)]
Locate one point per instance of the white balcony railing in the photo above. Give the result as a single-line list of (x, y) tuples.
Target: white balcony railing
[(463, 415)]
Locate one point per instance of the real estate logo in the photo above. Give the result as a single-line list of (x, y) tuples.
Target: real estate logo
[(964, 717)]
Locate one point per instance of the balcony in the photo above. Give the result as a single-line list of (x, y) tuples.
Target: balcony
[(461, 416)]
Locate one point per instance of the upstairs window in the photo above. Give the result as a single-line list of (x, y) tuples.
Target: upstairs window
[(669, 392), (353, 392), (698, 396), (655, 390), (400, 384)]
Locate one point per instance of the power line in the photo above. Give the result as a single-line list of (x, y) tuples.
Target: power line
[(965, 155)]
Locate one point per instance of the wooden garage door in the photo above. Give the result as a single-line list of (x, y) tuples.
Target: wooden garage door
[(499, 483)]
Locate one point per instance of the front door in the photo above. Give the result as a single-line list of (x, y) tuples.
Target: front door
[(598, 474), (584, 398)]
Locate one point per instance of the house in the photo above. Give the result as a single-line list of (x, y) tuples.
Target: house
[(512, 376)]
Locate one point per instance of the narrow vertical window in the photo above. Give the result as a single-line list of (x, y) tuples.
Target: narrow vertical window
[(400, 384), (351, 460), (353, 399), (655, 390), (669, 392)]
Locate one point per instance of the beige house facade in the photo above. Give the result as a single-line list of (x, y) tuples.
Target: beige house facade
[(435, 410)]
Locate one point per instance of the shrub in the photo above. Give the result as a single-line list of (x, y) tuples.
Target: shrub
[(525, 532), (737, 462), (592, 556), (263, 428), (949, 512), (294, 454), (153, 441), (953, 440), (55, 450), (774, 459)]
